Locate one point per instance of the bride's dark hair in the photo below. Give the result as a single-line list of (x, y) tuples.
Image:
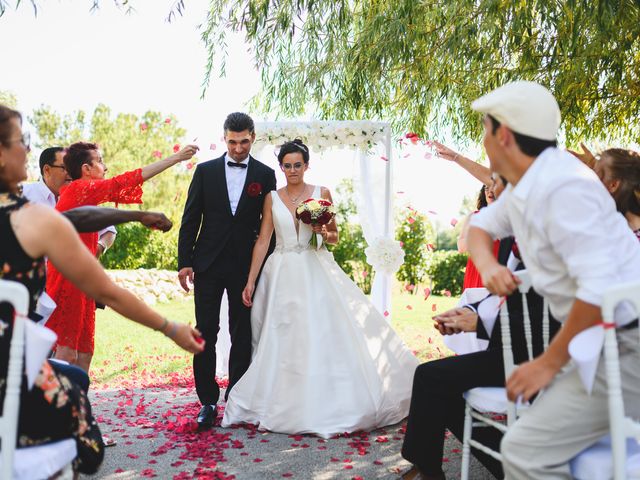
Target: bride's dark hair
[(293, 147)]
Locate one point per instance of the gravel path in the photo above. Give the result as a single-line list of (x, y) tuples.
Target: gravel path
[(156, 435)]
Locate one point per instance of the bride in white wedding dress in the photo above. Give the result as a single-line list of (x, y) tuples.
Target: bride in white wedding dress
[(324, 360)]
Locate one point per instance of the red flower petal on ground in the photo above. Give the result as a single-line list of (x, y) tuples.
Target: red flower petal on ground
[(409, 307), (287, 475), (167, 120), (143, 126), (157, 154), (257, 460), (377, 462), (132, 455), (382, 439)]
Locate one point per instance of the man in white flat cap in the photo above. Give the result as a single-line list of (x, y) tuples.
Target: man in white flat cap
[(575, 245)]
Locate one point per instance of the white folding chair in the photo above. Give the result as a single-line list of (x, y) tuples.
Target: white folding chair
[(31, 463), (616, 455), (482, 403)]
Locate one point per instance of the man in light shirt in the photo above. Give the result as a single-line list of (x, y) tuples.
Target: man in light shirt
[(575, 245)]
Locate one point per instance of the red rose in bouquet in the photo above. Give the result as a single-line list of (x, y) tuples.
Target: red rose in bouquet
[(315, 212)]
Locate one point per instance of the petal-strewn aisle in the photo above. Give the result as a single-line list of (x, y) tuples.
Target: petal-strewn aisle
[(156, 433)]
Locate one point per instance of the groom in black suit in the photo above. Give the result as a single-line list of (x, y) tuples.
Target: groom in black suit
[(220, 224)]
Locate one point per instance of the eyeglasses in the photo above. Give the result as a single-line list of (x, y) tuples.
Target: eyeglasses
[(25, 139), (289, 166), (59, 166)]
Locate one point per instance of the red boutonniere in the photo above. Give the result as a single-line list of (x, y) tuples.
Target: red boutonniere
[(254, 189)]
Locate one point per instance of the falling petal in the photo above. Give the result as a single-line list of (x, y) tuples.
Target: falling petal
[(454, 222), (176, 148)]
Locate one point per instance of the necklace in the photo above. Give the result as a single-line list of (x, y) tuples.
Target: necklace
[(294, 200)]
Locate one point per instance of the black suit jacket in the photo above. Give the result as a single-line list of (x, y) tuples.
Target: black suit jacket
[(516, 318), (208, 226)]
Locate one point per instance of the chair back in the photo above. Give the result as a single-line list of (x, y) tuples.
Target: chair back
[(17, 295), (505, 332), (621, 426)]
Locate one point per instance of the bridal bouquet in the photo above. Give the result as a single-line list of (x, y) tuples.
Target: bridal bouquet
[(315, 211)]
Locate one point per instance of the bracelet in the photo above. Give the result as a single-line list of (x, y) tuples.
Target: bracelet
[(165, 322), (172, 331)]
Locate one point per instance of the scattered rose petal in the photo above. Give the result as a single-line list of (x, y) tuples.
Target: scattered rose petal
[(167, 120), (382, 157), (176, 148), (454, 222), (434, 307)]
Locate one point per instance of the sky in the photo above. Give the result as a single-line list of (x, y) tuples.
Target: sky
[(72, 59)]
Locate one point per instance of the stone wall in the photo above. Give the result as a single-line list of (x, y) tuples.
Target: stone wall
[(150, 285)]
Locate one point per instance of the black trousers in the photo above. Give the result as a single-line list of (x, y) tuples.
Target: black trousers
[(437, 404), (209, 287)]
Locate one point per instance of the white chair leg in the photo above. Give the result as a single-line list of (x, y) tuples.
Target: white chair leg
[(466, 448)]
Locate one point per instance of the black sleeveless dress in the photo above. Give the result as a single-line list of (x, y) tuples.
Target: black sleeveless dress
[(55, 408)]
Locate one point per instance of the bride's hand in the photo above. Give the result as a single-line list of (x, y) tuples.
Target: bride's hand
[(247, 293)]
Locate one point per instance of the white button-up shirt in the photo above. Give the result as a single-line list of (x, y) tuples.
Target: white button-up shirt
[(571, 238), (236, 177), (38, 192)]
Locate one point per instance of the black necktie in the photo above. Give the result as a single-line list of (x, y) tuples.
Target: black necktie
[(236, 164)]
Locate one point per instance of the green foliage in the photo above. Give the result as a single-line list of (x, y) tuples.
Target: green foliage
[(447, 239), (138, 247), (415, 232), (446, 270), (129, 142), (8, 99), (349, 252), (421, 63)]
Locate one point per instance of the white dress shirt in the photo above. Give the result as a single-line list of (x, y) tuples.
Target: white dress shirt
[(236, 177), (571, 238), (38, 192)]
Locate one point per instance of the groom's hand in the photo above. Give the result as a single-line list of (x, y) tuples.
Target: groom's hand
[(185, 276)]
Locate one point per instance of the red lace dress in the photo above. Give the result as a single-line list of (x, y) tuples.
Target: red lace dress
[(472, 277), (74, 317)]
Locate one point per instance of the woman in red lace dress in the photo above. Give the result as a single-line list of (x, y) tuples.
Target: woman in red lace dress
[(74, 318), (486, 197)]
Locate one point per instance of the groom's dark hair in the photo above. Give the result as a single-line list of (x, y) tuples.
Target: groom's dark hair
[(239, 122)]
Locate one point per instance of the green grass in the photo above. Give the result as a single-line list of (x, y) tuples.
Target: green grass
[(128, 351)]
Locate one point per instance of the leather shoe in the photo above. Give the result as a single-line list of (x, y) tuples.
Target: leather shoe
[(207, 415)]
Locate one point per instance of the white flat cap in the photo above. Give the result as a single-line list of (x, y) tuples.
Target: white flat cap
[(525, 107)]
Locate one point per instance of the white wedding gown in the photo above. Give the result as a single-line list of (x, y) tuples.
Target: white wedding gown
[(324, 360)]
